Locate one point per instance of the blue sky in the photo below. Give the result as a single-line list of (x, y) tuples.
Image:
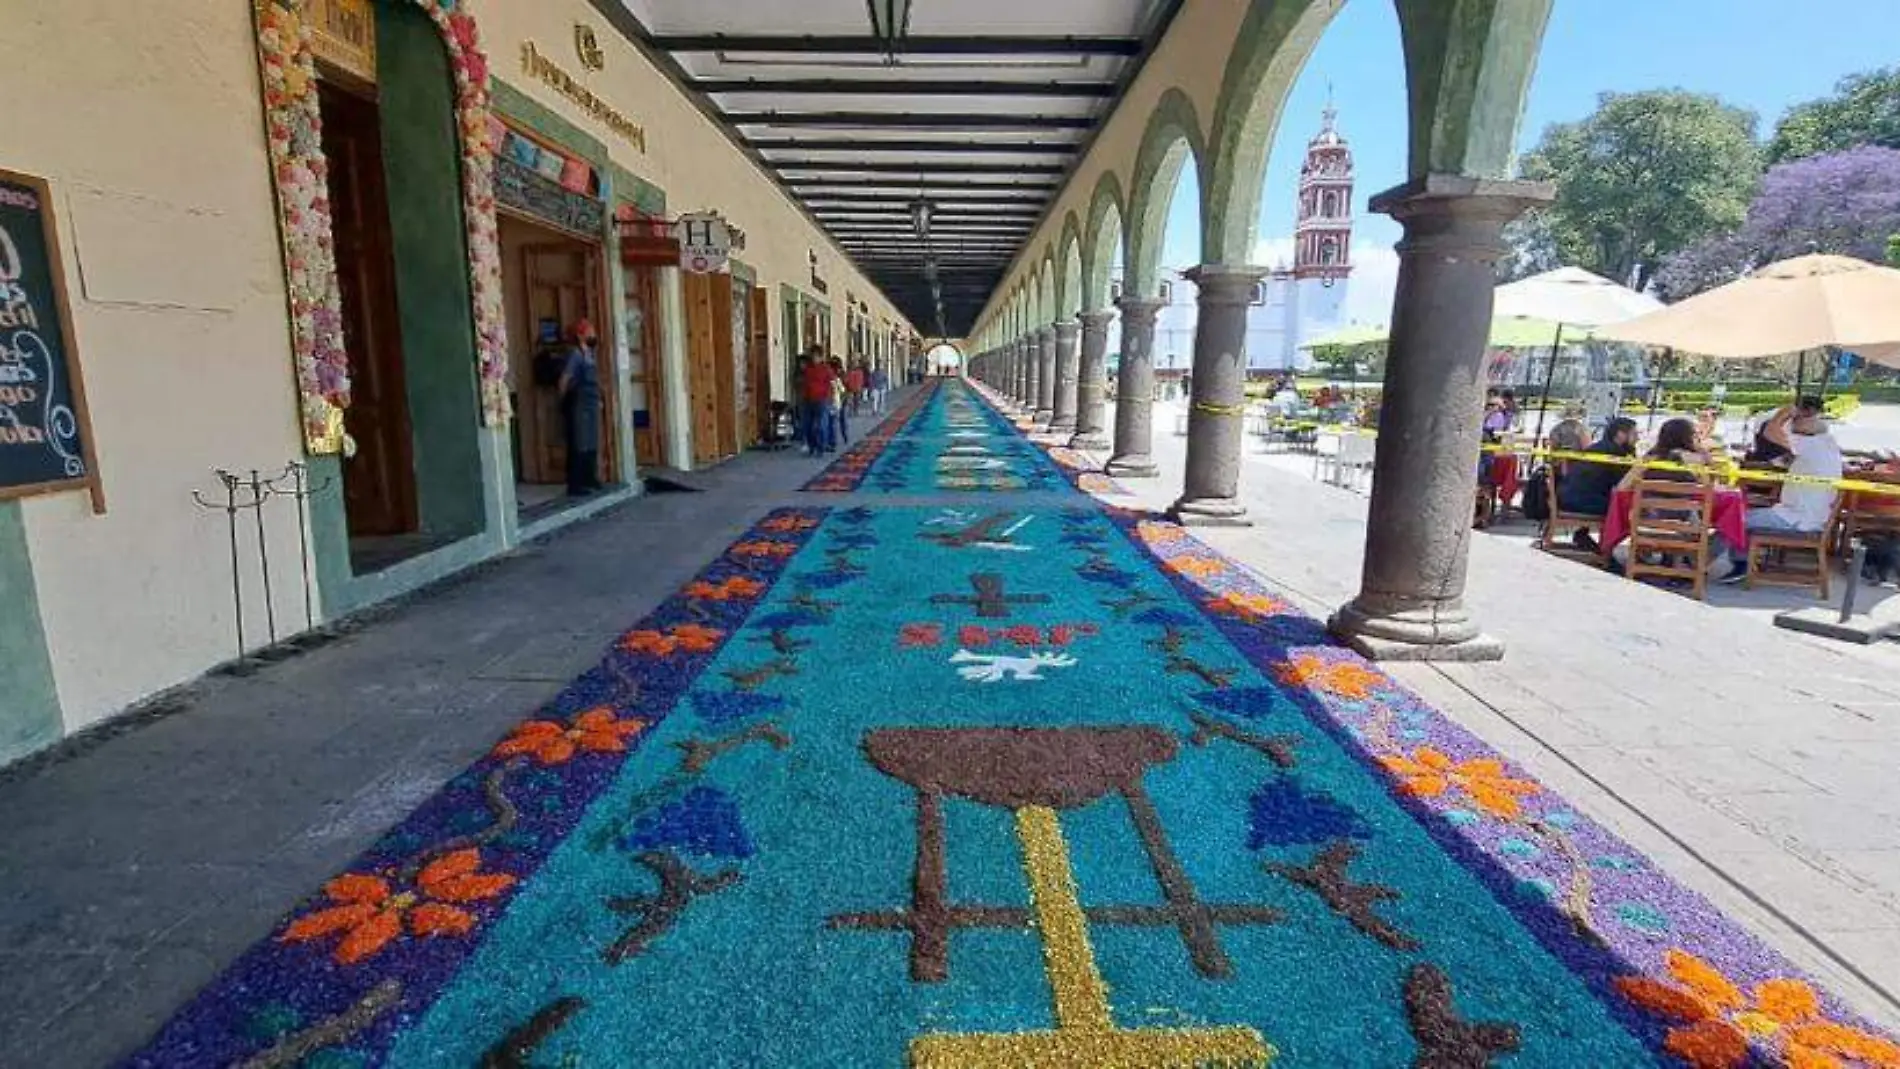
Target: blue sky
[(1765, 55)]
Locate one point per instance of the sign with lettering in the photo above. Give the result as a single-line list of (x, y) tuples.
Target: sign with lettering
[(528, 191), (45, 442), (705, 242), (343, 34)]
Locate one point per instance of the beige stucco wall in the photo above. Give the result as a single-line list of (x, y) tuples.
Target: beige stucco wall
[(685, 154), (145, 118)]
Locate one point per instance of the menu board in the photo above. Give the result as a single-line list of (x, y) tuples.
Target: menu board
[(528, 191), (45, 443)]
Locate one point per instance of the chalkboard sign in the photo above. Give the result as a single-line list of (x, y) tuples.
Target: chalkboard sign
[(532, 193), (45, 441)]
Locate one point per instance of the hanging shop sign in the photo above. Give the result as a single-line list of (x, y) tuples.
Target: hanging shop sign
[(45, 440), (549, 73), (817, 281), (706, 243), (343, 35), (529, 190)]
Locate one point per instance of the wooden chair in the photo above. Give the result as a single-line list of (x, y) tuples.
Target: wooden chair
[(1559, 527), (1762, 545), (1669, 532)]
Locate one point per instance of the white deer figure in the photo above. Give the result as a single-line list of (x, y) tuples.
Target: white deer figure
[(988, 668)]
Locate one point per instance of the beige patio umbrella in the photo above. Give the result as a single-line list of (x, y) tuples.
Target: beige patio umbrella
[(1809, 302)]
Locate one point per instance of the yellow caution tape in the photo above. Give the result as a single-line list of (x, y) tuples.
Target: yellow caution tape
[(1729, 474)]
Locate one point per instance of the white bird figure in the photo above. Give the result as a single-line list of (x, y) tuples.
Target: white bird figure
[(987, 668), (952, 516)]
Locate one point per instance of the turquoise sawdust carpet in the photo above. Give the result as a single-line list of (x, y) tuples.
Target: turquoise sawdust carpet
[(943, 438), (982, 785)]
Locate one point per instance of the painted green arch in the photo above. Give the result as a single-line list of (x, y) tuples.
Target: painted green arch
[(1174, 134), (1468, 66), (1046, 289), (1101, 236), (1275, 40), (1069, 269)]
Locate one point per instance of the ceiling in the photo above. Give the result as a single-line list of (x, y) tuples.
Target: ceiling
[(864, 109)]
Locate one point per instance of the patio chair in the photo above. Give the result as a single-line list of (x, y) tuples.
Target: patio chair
[(1669, 532), (1781, 558), (1561, 525)]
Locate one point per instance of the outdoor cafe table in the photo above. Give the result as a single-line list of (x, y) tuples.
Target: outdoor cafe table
[(1730, 519)]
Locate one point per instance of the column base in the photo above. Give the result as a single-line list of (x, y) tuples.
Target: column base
[(1089, 441), (1043, 417), (1210, 512), (1133, 466), (1447, 635)]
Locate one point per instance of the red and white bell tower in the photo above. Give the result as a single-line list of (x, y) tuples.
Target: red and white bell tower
[(1323, 234)]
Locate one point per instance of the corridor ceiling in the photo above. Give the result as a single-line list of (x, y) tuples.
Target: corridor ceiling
[(867, 109)]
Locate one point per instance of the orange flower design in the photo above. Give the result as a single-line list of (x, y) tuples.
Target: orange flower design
[(1159, 534), (1717, 1020), (595, 731), (1344, 679), (787, 524), (651, 642), (371, 914), (1245, 606), (1428, 773), (1199, 567), (763, 548), (695, 638), (736, 587)]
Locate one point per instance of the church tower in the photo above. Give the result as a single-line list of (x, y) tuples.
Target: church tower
[(1323, 234)]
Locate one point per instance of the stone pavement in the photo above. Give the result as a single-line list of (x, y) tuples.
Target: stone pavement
[(1756, 765), (132, 872)]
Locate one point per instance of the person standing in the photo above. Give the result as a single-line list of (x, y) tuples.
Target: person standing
[(854, 387), (580, 410), (880, 385), (838, 432), (816, 383)]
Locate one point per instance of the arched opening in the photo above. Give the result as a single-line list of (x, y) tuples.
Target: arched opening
[(943, 359), (1180, 252)]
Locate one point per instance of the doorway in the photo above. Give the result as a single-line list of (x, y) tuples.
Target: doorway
[(710, 368), (379, 482), (551, 282), (640, 303)]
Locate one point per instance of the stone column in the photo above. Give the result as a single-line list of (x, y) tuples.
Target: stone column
[(1032, 381), (1411, 595), (1135, 393), (1091, 410), (1068, 340), (1217, 404), (1045, 377), (1019, 382)]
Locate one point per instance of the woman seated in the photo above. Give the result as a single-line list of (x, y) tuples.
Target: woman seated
[(1676, 444)]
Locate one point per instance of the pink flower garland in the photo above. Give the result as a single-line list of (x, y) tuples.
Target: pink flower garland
[(294, 126)]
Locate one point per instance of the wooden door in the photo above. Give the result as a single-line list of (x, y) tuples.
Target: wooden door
[(759, 367), (645, 365), (563, 284), (704, 316), (728, 347), (379, 488)]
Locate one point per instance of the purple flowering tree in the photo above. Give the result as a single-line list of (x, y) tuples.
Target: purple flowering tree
[(1843, 202)]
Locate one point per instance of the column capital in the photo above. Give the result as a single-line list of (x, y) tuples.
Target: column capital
[(1045, 334), (1226, 283), (1098, 319), (1459, 215), (1140, 308), (1067, 330)]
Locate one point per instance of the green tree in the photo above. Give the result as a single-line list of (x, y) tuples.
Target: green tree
[(1645, 175), (1864, 110), (1893, 250)]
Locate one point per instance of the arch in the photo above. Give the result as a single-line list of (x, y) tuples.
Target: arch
[(1173, 135), (287, 70), (1274, 43), (1046, 289), (1101, 235), (1069, 269), (1468, 66)]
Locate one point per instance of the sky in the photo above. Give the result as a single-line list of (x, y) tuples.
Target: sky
[(1765, 55)]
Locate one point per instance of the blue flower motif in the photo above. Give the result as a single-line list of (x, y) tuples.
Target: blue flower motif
[(1643, 917), (1250, 703), (1519, 848), (1282, 813), (726, 706), (704, 820)]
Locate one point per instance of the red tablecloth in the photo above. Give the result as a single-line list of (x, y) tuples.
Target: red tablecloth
[(1730, 519), (1504, 476)]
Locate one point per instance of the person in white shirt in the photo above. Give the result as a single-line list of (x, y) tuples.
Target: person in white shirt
[(1804, 507)]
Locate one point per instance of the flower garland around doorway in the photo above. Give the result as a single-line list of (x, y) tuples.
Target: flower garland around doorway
[(300, 173)]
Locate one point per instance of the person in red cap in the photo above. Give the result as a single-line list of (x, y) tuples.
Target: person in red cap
[(580, 410)]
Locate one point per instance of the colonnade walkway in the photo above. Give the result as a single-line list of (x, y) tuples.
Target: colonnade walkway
[(937, 760)]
